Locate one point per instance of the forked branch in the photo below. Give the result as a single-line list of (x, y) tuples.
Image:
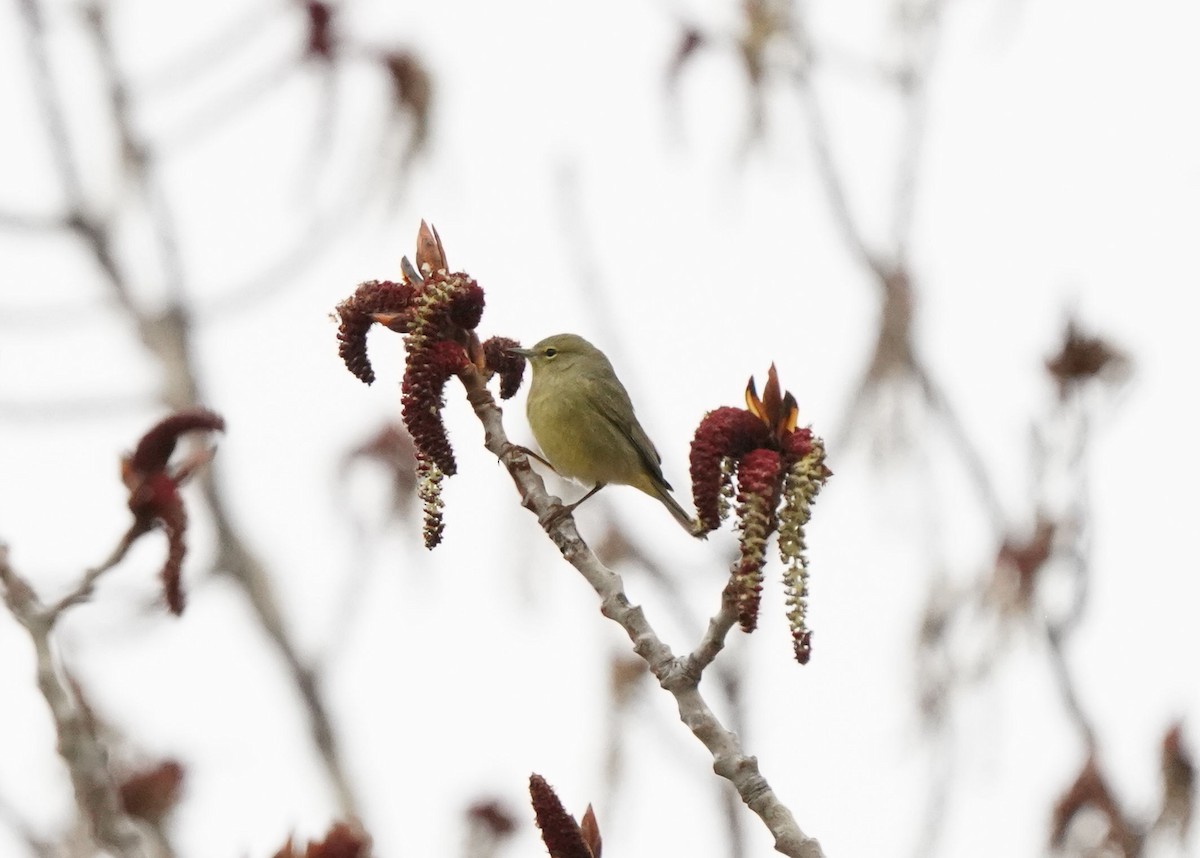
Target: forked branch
[(678, 675)]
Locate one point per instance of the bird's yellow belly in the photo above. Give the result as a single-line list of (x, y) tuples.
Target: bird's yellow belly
[(583, 446)]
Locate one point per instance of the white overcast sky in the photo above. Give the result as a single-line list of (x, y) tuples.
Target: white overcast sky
[(1060, 174)]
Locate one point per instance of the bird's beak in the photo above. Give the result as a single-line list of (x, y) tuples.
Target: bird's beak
[(526, 353)]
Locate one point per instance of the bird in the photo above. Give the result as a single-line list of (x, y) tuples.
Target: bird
[(583, 420)]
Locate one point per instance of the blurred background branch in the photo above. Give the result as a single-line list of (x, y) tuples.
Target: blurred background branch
[(1003, 636)]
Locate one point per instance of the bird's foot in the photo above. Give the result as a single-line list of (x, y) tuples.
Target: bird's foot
[(555, 513)]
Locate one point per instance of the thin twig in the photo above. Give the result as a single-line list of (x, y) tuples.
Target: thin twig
[(827, 170), (972, 460), (236, 559), (81, 750), (183, 70), (66, 165), (227, 106), (75, 409), (25, 222), (139, 157), (23, 830), (714, 637), (921, 31), (87, 584), (1058, 629), (1066, 687)]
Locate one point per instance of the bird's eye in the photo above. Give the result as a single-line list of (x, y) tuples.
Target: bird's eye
[(550, 352)]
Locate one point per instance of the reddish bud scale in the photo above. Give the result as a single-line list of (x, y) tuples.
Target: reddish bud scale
[(560, 831), (510, 367), (725, 432)]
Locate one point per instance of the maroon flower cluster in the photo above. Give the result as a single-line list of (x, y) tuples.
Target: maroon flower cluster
[(151, 793), (373, 301), (510, 367), (341, 841), (492, 817), (779, 469), (320, 30), (1083, 357), (563, 836), (153, 485), (1091, 791), (437, 312), (1179, 783), (429, 368)]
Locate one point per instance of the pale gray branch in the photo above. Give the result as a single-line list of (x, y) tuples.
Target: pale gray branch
[(85, 756), (679, 676)]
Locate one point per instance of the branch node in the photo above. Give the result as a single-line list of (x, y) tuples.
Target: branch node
[(681, 674)]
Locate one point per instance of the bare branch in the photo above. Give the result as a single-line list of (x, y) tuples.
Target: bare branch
[(37, 847), (236, 559), (84, 590), (168, 336), (678, 676), (50, 104), (81, 750), (26, 222), (138, 155)]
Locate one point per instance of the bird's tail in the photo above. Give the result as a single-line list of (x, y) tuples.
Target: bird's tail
[(663, 493)]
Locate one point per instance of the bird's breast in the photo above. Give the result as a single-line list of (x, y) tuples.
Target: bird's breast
[(577, 440)]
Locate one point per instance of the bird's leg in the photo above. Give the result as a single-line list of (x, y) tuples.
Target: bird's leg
[(557, 513), (520, 449), (594, 489)]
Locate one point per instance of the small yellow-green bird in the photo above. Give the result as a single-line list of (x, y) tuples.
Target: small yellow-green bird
[(583, 420)]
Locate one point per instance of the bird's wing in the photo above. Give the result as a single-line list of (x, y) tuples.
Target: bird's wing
[(608, 394)]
